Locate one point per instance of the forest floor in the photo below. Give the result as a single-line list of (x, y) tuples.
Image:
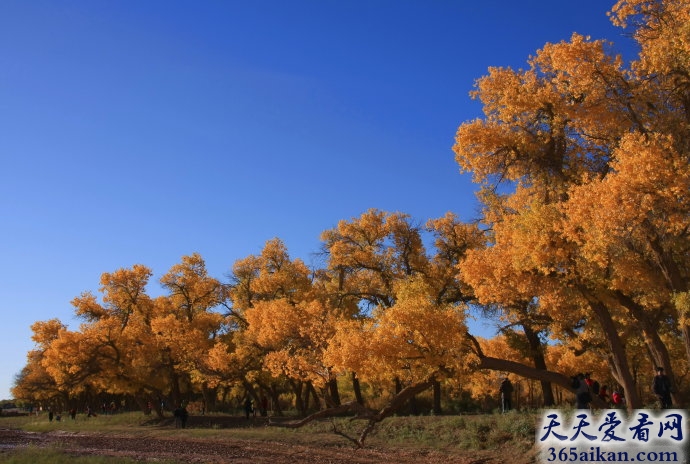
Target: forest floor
[(226, 441)]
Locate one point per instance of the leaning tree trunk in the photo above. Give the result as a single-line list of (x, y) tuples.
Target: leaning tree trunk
[(537, 354), (657, 348), (529, 372), (617, 350), (314, 395)]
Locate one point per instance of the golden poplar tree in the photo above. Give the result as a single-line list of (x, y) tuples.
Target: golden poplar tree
[(593, 227)]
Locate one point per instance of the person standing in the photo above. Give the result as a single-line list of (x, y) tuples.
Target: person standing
[(662, 388), (248, 407), (506, 390), (582, 394), (180, 413), (604, 394)]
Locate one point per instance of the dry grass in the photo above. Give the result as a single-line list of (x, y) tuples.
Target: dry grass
[(499, 435)]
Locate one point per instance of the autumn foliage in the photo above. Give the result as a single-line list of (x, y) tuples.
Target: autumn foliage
[(580, 257)]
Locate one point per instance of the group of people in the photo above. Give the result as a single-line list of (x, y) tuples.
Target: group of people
[(587, 388), (57, 416)]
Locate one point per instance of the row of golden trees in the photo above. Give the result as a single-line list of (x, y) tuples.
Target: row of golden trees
[(580, 256)]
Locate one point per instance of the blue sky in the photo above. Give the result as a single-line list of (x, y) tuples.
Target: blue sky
[(141, 131)]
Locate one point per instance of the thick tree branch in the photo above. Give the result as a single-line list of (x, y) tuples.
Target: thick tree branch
[(361, 412)]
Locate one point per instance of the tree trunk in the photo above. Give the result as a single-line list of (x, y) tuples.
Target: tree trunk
[(436, 406), (297, 388), (356, 387), (677, 282), (210, 396), (175, 394), (333, 392), (685, 330), (306, 401), (504, 365), (657, 347), (275, 402), (617, 350), (398, 400), (314, 396), (537, 354)]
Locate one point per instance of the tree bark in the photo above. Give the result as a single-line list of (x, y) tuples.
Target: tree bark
[(657, 347), (333, 392), (275, 401), (617, 350), (297, 388), (357, 388), (210, 396), (537, 354), (436, 407)]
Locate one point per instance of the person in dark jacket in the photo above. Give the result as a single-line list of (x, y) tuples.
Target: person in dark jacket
[(506, 390), (181, 416), (662, 388), (248, 407), (582, 394)]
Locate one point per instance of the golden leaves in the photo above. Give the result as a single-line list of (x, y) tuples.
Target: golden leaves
[(412, 340)]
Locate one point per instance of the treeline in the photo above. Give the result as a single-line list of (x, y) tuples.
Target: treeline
[(580, 255)]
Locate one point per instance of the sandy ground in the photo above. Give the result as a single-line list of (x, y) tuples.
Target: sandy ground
[(145, 448), (148, 449)]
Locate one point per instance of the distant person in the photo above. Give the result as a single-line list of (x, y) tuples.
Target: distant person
[(506, 390), (582, 394), (662, 388), (180, 413), (248, 407), (617, 399), (592, 384), (604, 395), (50, 415)]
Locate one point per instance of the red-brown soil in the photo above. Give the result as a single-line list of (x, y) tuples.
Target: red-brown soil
[(156, 448)]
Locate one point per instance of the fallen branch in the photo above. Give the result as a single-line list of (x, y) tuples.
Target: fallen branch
[(395, 404), (351, 406), (372, 416)]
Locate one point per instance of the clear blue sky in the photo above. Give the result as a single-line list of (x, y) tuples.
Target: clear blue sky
[(141, 131)]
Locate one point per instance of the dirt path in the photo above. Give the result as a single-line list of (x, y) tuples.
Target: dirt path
[(151, 449)]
